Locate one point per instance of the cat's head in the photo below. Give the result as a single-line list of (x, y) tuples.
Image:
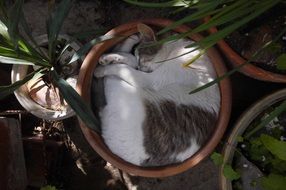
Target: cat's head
[(146, 50)]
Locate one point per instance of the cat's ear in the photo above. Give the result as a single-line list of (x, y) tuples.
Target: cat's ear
[(147, 33)]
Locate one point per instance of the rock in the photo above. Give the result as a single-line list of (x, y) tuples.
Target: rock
[(250, 174)]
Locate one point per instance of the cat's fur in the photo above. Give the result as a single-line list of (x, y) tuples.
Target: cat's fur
[(150, 118)]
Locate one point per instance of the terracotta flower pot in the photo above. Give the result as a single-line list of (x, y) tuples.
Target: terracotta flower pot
[(96, 141), (241, 125), (249, 70)]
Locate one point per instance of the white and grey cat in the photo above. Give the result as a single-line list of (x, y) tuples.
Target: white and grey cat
[(150, 119)]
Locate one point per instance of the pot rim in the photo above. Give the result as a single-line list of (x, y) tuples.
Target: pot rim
[(249, 69), (97, 142), (242, 124)]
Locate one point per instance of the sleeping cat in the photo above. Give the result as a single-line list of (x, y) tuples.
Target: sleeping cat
[(150, 119)]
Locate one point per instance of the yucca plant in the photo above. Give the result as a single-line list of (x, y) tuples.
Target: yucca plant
[(17, 46)]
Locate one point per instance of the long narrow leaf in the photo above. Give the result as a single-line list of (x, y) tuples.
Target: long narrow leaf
[(10, 56), (14, 16), (54, 24), (255, 11), (33, 46), (259, 52), (232, 8), (214, 38), (76, 103), (178, 10), (242, 11), (2, 4), (217, 80), (78, 36), (7, 90), (3, 12), (83, 50), (9, 60), (4, 30), (173, 3), (205, 11), (277, 111)]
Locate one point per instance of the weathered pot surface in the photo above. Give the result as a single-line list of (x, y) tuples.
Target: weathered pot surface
[(96, 141), (241, 125), (39, 98)]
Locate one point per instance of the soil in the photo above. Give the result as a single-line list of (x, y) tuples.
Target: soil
[(257, 33)]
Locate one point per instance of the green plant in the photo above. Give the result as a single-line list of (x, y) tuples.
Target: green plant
[(17, 46), (228, 15), (265, 149)]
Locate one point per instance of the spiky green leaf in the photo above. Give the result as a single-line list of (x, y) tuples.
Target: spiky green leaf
[(281, 62), (75, 101), (14, 16), (276, 147), (172, 3), (207, 10), (32, 46), (84, 49), (220, 78), (9, 56), (4, 30), (277, 111), (9, 60), (274, 182), (54, 24), (7, 90)]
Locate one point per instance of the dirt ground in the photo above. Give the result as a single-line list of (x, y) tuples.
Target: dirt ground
[(84, 169)]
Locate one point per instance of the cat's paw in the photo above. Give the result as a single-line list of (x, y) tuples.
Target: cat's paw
[(99, 72), (107, 59), (119, 58)]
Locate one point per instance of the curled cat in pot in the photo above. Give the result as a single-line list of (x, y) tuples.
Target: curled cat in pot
[(149, 118)]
